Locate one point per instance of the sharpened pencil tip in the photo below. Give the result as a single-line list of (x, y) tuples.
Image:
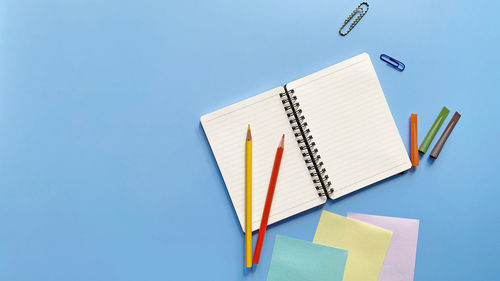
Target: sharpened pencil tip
[(282, 142), (249, 133)]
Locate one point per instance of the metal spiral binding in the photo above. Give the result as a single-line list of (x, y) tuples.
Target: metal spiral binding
[(306, 143)]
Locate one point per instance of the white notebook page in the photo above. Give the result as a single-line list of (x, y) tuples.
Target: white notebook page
[(352, 125), (226, 132)]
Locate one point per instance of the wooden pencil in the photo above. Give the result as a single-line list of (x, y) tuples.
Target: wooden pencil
[(269, 200), (248, 199)]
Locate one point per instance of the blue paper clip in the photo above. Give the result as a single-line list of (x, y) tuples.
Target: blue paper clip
[(393, 62)]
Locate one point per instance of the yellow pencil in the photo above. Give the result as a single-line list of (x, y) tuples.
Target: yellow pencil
[(248, 200)]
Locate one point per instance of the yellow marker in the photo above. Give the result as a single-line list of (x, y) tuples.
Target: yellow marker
[(248, 200)]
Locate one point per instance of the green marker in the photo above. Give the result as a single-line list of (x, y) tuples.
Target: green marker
[(434, 129)]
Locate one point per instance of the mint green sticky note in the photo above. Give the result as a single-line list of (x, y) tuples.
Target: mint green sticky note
[(297, 260)]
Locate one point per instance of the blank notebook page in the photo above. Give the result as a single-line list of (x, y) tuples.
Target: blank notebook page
[(352, 125), (226, 132)]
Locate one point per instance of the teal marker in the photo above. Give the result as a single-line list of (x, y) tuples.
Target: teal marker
[(434, 129)]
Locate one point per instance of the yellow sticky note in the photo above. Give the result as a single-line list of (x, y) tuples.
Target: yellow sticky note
[(367, 244)]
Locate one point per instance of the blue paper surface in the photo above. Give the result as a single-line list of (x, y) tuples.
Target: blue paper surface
[(106, 174)]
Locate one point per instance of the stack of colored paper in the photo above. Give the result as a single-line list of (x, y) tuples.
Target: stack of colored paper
[(358, 247)]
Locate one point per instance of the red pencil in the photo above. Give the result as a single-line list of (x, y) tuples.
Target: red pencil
[(269, 200)]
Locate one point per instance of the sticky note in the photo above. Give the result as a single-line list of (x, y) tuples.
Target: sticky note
[(399, 263), (367, 244), (297, 260)]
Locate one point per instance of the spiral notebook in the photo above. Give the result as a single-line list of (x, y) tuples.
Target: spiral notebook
[(339, 137)]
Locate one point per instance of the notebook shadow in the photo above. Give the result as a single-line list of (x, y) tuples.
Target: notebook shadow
[(371, 186), (248, 271), (303, 213)]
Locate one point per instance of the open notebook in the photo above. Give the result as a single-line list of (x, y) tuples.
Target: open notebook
[(339, 137)]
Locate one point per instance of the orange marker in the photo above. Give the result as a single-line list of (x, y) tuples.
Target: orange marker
[(414, 140)]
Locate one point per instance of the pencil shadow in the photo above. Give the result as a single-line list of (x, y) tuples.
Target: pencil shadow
[(430, 160), (248, 270)]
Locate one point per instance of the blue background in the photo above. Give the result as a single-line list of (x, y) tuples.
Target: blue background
[(106, 174)]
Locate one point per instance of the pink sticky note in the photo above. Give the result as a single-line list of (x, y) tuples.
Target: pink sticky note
[(399, 263)]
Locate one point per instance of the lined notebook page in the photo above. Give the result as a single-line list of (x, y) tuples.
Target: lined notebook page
[(226, 132), (352, 125)]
